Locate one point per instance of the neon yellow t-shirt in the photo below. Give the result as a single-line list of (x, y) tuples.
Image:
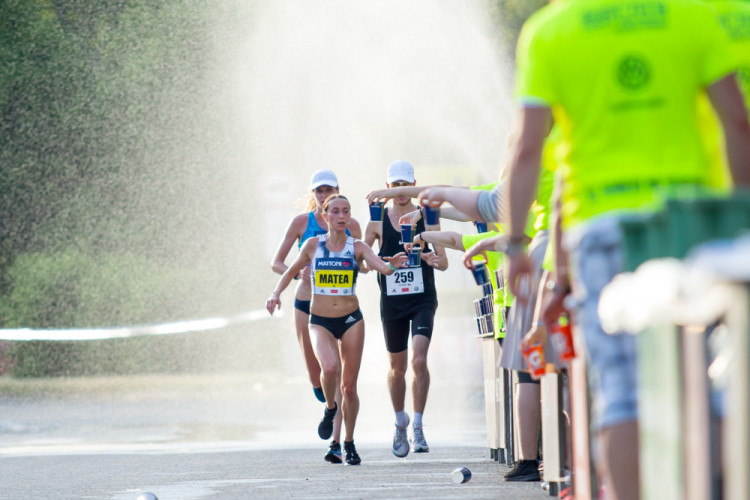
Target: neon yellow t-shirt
[(622, 79), (494, 262)]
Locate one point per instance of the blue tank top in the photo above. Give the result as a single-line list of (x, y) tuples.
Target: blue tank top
[(334, 273), (313, 229)]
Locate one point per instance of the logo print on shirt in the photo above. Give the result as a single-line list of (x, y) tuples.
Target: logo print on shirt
[(633, 72)]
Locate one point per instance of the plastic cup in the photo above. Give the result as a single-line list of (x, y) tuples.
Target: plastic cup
[(414, 256), (490, 322), (461, 475), (481, 274), (562, 339), (500, 279), (481, 226), (376, 212), (431, 216), (534, 356), (407, 233)]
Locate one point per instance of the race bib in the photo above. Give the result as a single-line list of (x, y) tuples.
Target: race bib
[(334, 276), (405, 281)]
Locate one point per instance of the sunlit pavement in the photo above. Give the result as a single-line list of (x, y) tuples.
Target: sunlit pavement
[(230, 437)]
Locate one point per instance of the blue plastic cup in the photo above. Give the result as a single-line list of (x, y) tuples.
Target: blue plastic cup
[(489, 320), (461, 475), (481, 226), (376, 212), (414, 256), (407, 233), (431, 216), (481, 274)]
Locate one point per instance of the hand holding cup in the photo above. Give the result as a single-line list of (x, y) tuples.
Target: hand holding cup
[(398, 261)]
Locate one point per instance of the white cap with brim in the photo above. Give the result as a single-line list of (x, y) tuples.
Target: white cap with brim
[(400, 170), (323, 178)]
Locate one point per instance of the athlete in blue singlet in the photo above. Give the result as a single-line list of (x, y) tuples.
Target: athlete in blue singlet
[(304, 226), (336, 323)]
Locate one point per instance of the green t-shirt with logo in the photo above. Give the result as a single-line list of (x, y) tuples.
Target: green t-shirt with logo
[(622, 79)]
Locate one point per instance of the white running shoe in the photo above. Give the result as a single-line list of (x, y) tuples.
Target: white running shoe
[(400, 440), (418, 442)]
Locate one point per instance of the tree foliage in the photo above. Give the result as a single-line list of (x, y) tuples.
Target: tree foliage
[(94, 96)]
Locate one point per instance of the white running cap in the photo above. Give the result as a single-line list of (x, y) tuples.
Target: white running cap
[(400, 170), (323, 178)]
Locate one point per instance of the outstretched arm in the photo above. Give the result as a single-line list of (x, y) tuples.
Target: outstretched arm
[(305, 255), (444, 239), (464, 199), (387, 266), (481, 247), (388, 193)]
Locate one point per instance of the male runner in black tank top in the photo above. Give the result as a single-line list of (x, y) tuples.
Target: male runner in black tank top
[(408, 299)]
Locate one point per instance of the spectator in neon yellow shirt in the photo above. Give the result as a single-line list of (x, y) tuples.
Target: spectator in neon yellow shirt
[(621, 79)]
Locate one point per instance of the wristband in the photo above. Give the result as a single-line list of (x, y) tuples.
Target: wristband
[(391, 266)]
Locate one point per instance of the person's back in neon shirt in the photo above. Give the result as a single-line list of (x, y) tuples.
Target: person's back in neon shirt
[(622, 80)]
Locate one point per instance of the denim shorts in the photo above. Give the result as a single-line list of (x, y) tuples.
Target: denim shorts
[(596, 256)]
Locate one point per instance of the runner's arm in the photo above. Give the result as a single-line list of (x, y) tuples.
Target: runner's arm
[(384, 266), (293, 232), (304, 257)]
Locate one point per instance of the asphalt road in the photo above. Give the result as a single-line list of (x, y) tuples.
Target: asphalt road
[(230, 437)]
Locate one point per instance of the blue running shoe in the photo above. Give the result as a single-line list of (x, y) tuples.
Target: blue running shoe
[(334, 453), (319, 394)]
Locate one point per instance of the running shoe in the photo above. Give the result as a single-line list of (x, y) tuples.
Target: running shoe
[(524, 470), (325, 428), (419, 445), (334, 453), (352, 457), (400, 440), (318, 391)]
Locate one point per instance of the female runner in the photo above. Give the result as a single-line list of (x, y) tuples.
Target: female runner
[(323, 184), (337, 329)]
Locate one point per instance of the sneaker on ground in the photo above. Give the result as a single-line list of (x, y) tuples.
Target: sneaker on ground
[(400, 440), (352, 457), (419, 445), (524, 470), (325, 428), (334, 453), (318, 391)]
